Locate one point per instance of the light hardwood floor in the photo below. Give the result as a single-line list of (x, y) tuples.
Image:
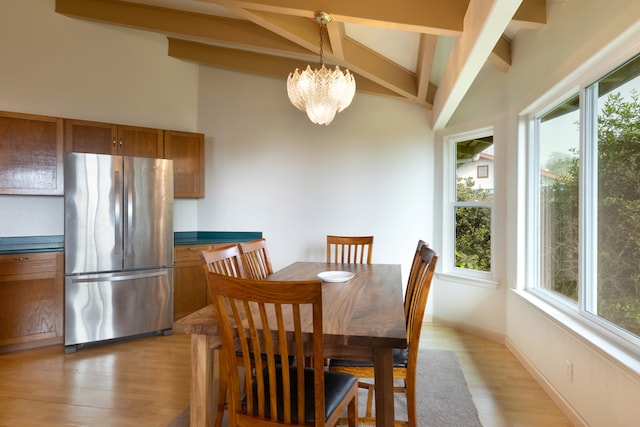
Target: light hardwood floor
[(503, 391), (145, 382)]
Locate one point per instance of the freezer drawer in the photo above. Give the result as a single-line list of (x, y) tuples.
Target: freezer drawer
[(115, 305)]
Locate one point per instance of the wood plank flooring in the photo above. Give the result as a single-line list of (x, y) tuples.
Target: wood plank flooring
[(503, 391), (145, 382)]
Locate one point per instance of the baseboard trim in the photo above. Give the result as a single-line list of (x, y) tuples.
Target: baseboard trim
[(548, 388), (473, 330)]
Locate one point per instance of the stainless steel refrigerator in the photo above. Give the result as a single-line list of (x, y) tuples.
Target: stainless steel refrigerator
[(118, 245)]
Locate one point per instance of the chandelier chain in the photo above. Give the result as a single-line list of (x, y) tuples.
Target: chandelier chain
[(321, 45)]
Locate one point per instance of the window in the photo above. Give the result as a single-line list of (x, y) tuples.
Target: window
[(471, 203), (558, 140), (483, 171), (587, 189)]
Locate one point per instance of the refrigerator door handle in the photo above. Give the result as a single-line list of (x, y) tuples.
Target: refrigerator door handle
[(117, 181), (118, 278), (128, 209)]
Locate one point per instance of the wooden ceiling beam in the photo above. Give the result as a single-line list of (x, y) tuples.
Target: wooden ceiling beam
[(379, 69), (301, 31), (531, 14), (336, 34), (255, 63), (426, 52), (224, 31), (288, 36), (485, 23), (356, 58), (501, 54), (421, 16), (285, 32)]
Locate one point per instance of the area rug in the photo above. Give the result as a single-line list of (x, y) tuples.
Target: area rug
[(443, 399)]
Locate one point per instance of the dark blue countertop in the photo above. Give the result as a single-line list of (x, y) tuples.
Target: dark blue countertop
[(15, 245), (210, 237)]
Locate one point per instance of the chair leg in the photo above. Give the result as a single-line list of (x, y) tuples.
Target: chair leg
[(410, 391), (222, 392), (352, 412), (370, 389)]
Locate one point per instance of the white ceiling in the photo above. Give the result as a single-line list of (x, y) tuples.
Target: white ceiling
[(423, 51)]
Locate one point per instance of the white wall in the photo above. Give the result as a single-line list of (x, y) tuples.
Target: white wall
[(59, 66), (604, 391), (270, 169)]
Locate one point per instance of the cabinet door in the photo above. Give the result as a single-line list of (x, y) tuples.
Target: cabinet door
[(31, 292), (31, 154), (140, 141), (83, 136), (186, 149), (107, 138), (190, 291)]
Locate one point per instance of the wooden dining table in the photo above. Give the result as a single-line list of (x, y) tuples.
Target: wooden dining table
[(363, 320)]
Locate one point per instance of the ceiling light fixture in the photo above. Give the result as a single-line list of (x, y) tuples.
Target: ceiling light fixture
[(321, 93)]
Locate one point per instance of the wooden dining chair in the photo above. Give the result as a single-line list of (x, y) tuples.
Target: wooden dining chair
[(411, 281), (405, 361), (257, 263), (227, 261), (349, 250), (291, 312)]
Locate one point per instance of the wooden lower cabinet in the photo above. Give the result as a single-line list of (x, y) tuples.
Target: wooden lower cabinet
[(190, 291), (31, 300)]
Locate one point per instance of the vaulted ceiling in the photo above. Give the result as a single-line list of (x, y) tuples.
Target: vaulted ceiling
[(422, 51)]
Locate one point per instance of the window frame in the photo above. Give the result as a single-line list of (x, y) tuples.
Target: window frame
[(449, 269), (576, 315)]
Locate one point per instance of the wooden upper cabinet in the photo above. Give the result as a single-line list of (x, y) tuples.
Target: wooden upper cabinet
[(140, 142), (106, 138), (31, 154), (186, 149), (82, 136)]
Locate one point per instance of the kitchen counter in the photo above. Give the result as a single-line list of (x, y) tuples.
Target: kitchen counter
[(16, 245), (184, 238)]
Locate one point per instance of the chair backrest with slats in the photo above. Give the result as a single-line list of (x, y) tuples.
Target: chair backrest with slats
[(418, 302), (411, 282), (224, 260), (286, 309), (257, 263), (349, 250)]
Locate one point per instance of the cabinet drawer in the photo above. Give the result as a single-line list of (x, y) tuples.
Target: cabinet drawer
[(189, 253), (29, 266)]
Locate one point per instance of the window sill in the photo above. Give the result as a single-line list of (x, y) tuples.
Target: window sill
[(468, 280), (609, 347)]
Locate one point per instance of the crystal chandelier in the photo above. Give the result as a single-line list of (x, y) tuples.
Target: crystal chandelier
[(321, 93)]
